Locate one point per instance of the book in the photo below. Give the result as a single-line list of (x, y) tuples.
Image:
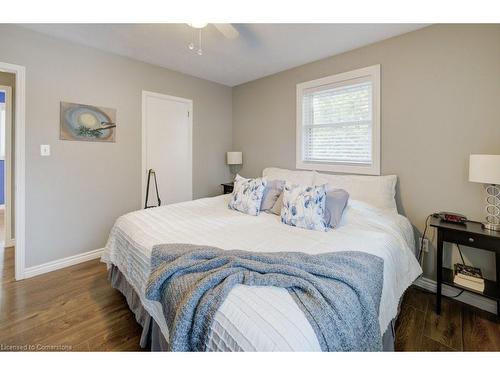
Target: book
[(468, 272), (469, 277), (469, 284)]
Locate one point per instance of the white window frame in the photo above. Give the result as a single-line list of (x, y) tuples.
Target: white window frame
[(371, 73)]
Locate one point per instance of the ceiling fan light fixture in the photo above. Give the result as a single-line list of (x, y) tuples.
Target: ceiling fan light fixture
[(198, 25)]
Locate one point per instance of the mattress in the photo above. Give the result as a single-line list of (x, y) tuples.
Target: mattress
[(262, 318)]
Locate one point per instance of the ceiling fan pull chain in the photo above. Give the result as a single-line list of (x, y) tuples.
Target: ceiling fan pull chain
[(191, 44), (200, 51)]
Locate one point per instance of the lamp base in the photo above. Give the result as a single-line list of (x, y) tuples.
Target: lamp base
[(490, 226)]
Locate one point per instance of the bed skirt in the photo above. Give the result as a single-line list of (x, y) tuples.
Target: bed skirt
[(152, 339)]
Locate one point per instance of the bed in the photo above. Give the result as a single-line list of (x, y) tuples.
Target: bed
[(255, 318)]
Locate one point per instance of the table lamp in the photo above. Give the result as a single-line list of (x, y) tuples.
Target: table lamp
[(486, 169), (234, 158)]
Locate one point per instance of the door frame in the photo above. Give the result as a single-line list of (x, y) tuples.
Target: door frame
[(9, 240), (20, 164), (143, 174)]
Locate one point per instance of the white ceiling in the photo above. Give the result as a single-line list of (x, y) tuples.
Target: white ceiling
[(260, 49)]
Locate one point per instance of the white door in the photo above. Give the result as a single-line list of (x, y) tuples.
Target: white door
[(167, 147)]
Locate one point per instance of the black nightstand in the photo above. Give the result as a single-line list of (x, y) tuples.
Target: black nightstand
[(228, 187), (469, 234)]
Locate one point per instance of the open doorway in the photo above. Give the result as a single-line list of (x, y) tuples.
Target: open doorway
[(13, 77), (7, 87)]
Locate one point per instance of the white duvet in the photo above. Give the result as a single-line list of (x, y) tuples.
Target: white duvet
[(262, 318)]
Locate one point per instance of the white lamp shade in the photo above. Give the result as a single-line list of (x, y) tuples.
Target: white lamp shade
[(484, 169), (234, 157)]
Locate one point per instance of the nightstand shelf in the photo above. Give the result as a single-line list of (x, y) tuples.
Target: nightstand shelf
[(490, 287)]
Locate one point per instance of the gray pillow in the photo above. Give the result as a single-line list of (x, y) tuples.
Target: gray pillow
[(271, 193), (336, 201), (278, 205)]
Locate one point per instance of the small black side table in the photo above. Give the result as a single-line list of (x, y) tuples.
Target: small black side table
[(469, 234), (228, 187)]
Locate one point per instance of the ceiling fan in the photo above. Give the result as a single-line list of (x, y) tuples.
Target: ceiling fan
[(226, 29)]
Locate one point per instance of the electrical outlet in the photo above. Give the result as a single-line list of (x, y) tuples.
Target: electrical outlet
[(424, 243)]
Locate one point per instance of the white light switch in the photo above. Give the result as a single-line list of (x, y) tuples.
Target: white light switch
[(45, 150)]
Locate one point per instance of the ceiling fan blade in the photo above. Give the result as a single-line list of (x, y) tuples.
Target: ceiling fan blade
[(228, 30)]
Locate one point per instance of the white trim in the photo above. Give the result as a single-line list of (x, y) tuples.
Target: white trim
[(8, 166), (374, 169), (144, 172), (478, 301), (20, 167), (62, 263)]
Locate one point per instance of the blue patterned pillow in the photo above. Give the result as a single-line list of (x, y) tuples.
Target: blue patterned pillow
[(247, 195), (304, 206)]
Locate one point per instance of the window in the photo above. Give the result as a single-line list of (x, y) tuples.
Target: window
[(338, 122)]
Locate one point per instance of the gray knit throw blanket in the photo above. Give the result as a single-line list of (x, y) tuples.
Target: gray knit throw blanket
[(339, 292)]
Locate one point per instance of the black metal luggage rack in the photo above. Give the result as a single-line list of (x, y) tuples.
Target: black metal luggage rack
[(152, 172)]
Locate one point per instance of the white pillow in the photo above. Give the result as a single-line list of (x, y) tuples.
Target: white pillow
[(295, 177), (247, 195), (378, 191), (304, 206)]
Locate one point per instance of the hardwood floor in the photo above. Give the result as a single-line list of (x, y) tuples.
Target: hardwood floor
[(76, 309), (460, 327), (70, 309)]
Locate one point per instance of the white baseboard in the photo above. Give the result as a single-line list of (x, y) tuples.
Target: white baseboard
[(10, 243), (478, 301), (62, 263)]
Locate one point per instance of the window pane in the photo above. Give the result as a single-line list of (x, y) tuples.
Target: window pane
[(337, 124), (345, 143)]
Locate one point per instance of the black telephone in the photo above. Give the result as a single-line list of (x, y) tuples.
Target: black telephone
[(451, 217)]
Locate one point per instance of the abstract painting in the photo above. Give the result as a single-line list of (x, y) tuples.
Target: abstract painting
[(81, 122)]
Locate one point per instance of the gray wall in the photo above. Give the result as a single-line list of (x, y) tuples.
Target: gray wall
[(8, 79), (440, 102), (74, 196)]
